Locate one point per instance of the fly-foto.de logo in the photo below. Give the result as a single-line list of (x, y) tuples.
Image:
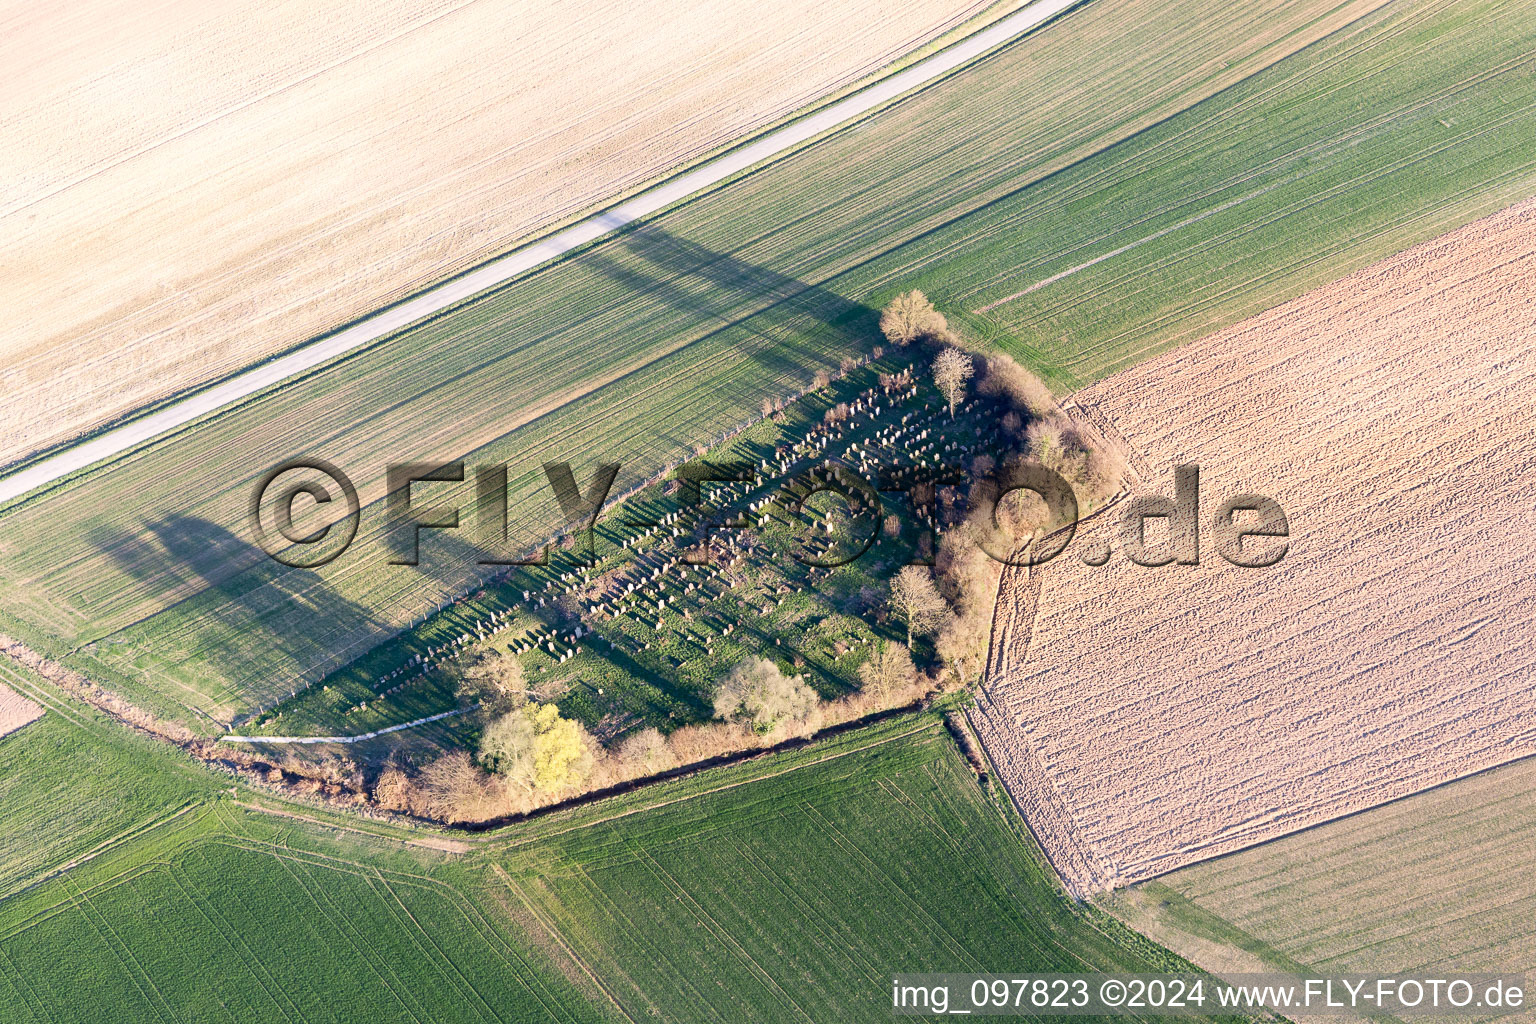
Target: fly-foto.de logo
[(1021, 513)]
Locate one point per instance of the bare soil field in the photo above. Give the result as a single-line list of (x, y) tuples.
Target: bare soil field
[(16, 710), (1147, 718), (193, 188)]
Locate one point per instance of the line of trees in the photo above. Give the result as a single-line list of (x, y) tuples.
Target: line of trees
[(530, 755), (952, 603)]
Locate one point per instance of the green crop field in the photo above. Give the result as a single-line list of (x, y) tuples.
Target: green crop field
[(795, 898), (802, 878), (1127, 177), (131, 888), (222, 916), (1442, 880), (75, 783)]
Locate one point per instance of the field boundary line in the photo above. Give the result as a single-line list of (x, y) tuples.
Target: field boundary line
[(524, 841), (106, 846), (388, 321), (1006, 618), (508, 881), (491, 935), (1485, 770), (390, 878), (980, 17), (440, 846), (312, 859)]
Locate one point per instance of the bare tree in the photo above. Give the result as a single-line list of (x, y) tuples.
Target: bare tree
[(916, 600), (951, 370), (495, 681), (759, 693), (888, 669), (910, 316)]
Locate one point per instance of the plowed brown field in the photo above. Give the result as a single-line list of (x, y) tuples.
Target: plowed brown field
[(1147, 718), (16, 710)]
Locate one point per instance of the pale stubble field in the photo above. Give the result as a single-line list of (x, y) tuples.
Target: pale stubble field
[(16, 710), (194, 187)]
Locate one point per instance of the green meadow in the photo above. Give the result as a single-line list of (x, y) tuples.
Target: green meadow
[(787, 887)]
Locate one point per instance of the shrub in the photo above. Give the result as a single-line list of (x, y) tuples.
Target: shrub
[(645, 753), (759, 693), (1006, 379), (393, 790), (456, 790)]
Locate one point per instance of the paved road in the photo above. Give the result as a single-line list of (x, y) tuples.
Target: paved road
[(497, 272)]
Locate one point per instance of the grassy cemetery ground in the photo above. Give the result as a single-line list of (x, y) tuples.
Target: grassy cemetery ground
[(639, 633)]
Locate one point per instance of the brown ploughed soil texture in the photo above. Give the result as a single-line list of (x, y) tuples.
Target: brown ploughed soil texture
[(16, 710), (1146, 718)]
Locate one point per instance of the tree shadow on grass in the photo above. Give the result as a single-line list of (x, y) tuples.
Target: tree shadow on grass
[(761, 303), (263, 630)]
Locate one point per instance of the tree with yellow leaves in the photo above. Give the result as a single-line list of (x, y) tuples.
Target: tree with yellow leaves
[(532, 748)]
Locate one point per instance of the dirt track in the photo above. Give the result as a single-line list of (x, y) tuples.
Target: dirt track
[(382, 323), (1152, 717)]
